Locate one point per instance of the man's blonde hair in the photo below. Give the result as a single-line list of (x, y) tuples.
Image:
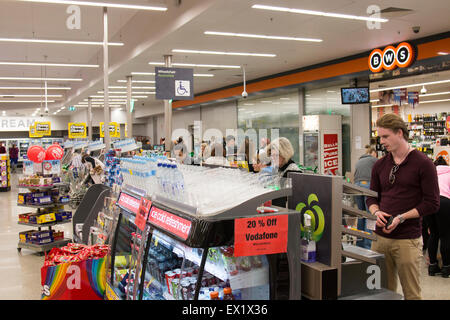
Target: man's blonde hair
[(393, 122)]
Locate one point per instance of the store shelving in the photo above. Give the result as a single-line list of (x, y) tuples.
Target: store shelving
[(45, 247)]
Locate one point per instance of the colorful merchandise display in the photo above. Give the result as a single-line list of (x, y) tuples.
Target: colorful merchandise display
[(89, 263), (5, 173)]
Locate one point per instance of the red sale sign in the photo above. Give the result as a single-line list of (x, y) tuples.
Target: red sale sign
[(330, 153), (142, 214), (260, 235), (128, 202), (170, 222)]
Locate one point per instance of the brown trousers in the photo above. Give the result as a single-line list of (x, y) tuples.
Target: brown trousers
[(402, 257)]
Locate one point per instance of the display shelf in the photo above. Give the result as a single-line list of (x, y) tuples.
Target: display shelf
[(188, 254), (352, 189), (43, 247), (356, 212), (361, 254), (359, 234), (40, 206), (49, 224)]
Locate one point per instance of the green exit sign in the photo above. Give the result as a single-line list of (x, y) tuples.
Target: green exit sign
[(72, 108)]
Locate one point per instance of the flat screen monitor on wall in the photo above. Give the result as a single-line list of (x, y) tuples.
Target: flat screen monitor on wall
[(355, 95)]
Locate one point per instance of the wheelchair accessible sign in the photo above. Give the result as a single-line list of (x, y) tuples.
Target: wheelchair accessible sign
[(174, 83)]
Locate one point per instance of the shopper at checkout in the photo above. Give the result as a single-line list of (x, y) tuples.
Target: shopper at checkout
[(218, 155), (281, 153), (363, 173), (181, 154), (407, 186), (95, 168), (439, 224)]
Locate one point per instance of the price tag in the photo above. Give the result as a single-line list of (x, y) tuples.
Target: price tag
[(142, 214), (260, 235)]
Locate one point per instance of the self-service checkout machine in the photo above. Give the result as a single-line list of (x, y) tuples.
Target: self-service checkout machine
[(342, 270)]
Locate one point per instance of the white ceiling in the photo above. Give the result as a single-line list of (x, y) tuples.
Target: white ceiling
[(150, 35)]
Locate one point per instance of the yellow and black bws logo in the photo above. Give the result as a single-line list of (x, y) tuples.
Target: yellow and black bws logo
[(316, 214)]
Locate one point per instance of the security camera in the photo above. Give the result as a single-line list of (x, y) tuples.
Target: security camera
[(244, 94), (416, 29)]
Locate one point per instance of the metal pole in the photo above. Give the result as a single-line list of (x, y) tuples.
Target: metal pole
[(106, 79), (89, 117), (129, 111), (168, 111), (46, 101)]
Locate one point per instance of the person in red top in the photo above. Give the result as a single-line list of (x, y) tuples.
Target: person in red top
[(407, 186), (14, 157), (2, 148)]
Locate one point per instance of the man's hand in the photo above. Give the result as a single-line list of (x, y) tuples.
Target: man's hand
[(382, 218), (393, 225)]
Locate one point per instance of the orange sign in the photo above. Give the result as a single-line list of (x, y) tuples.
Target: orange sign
[(443, 154), (390, 58), (260, 235)]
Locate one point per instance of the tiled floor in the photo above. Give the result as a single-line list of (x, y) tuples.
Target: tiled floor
[(21, 271)]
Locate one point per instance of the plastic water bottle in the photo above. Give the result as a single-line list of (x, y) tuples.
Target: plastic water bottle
[(159, 172), (178, 181)]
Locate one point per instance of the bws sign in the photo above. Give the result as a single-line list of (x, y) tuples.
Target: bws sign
[(390, 58)]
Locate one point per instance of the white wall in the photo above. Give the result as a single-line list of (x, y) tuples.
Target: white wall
[(222, 117), (10, 124), (98, 116)]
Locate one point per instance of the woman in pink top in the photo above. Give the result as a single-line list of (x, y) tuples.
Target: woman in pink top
[(439, 223)]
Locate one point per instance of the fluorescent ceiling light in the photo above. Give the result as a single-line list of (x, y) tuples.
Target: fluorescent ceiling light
[(22, 101), (375, 100), (30, 95), (441, 53), (319, 13), (100, 4), (434, 94), (259, 36), (152, 74), (40, 79), (433, 101), (123, 87), (124, 92), (197, 65), (133, 97), (35, 88), (270, 55), (49, 41), (45, 64), (137, 81), (143, 73), (411, 85)]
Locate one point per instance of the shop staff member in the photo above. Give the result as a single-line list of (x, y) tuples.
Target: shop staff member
[(407, 186)]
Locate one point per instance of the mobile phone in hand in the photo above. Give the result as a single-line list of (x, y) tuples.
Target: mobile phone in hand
[(391, 218)]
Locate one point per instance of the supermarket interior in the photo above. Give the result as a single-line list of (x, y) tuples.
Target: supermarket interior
[(255, 150)]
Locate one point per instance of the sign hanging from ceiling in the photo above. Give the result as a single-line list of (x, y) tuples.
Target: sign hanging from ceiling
[(174, 83), (390, 57), (114, 130), (33, 133), (77, 130), (43, 128)]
